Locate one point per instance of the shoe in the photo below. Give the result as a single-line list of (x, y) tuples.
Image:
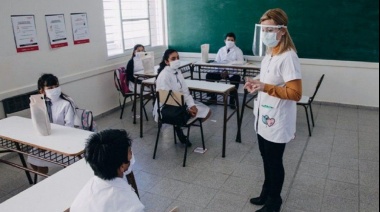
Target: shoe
[(271, 205), (232, 103), (182, 137), (260, 200), (211, 100)]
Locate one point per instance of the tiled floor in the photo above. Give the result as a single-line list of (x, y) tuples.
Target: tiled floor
[(337, 169)]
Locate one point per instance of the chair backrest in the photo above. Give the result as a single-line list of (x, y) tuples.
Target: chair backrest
[(170, 110), (317, 88), (175, 99), (17, 103), (120, 80)]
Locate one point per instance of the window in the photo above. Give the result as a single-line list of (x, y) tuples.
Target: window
[(131, 22)]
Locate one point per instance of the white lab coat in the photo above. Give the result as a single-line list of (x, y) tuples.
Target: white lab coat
[(275, 117), (107, 195), (63, 114), (235, 54), (170, 79)]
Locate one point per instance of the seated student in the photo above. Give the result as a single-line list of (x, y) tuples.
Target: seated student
[(110, 156), (227, 54), (134, 65), (171, 78), (61, 110)]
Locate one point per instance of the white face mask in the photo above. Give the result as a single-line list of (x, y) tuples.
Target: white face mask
[(175, 64), (53, 94), (129, 170), (230, 44), (270, 39)]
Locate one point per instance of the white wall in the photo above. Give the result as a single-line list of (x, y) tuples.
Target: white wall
[(345, 82), (84, 71)]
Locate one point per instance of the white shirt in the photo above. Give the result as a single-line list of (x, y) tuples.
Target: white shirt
[(170, 79), (62, 112), (235, 54), (275, 117), (107, 195)]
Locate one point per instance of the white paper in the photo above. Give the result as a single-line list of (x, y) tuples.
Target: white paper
[(56, 30), (40, 117), (80, 28), (24, 29), (205, 48)]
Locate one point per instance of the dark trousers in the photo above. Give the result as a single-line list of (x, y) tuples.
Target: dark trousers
[(274, 171), (234, 79)]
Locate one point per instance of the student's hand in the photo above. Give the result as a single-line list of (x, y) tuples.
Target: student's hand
[(254, 85), (193, 111)]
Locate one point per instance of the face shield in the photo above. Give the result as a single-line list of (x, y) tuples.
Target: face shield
[(265, 36)]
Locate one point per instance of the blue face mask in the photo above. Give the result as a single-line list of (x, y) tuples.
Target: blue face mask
[(269, 39)]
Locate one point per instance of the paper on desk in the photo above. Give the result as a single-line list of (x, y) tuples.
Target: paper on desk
[(205, 48), (40, 117)]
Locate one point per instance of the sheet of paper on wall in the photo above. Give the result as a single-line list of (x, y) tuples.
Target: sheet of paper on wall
[(205, 48)]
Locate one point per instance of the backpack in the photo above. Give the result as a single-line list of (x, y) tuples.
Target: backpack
[(121, 82), (84, 120)]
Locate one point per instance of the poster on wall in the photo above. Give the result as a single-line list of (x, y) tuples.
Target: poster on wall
[(80, 28), (25, 33), (56, 30)]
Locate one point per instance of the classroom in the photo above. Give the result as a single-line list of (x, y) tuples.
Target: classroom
[(334, 169)]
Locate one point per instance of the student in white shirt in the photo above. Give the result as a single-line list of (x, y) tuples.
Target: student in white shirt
[(170, 78), (134, 65), (61, 110), (227, 54), (279, 88), (110, 156)]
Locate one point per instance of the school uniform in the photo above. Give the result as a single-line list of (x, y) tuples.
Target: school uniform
[(100, 195), (275, 119), (134, 65), (170, 79), (62, 113)]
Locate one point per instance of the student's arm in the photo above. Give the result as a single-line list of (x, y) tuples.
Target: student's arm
[(186, 92), (69, 116), (239, 55), (292, 90), (219, 56)]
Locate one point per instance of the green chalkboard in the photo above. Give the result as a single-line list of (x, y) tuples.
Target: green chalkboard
[(322, 29)]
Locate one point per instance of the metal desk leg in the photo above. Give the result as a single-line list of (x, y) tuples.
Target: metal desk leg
[(238, 136), (243, 106), (224, 124), (134, 102), (141, 109), (24, 164)]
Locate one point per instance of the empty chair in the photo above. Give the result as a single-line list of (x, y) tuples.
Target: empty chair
[(306, 102), (122, 87), (175, 99)]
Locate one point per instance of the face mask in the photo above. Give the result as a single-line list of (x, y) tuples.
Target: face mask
[(129, 170), (270, 39), (230, 44), (175, 64), (53, 94)]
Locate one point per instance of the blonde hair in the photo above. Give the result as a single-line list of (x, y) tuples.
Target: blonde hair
[(280, 18)]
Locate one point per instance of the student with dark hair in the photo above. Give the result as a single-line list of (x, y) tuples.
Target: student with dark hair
[(170, 78), (229, 53), (60, 108), (134, 64), (110, 155)]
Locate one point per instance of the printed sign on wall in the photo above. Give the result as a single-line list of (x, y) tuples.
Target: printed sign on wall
[(80, 28), (25, 34), (56, 30)]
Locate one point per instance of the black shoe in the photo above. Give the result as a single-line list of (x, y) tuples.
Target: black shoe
[(211, 100), (182, 137), (232, 103), (271, 205), (261, 199)]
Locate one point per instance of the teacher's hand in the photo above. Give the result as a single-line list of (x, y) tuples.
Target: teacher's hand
[(254, 85)]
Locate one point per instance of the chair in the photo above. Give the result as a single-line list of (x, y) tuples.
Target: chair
[(173, 100), (306, 102), (118, 86)]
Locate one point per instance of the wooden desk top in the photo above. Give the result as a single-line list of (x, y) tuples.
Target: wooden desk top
[(64, 140)]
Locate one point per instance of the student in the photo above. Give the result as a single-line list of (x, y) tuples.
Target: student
[(134, 65), (171, 78), (110, 155), (227, 54), (279, 88), (61, 110)]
